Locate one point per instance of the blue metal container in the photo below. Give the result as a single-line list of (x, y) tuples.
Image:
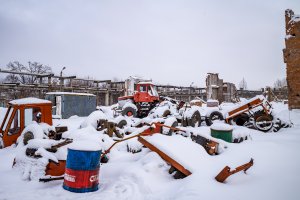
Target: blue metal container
[(67, 104), (82, 171)]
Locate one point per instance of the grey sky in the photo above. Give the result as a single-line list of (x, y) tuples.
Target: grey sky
[(172, 42)]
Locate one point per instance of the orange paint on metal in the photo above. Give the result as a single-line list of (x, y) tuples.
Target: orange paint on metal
[(225, 173), (245, 108), (54, 169), (164, 156), (9, 139)]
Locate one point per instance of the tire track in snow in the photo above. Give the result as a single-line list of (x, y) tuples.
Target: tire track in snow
[(125, 187)]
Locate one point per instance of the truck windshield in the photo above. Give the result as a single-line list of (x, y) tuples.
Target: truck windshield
[(154, 91), (5, 120)]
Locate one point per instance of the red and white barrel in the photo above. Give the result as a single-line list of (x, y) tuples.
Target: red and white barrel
[(82, 168)]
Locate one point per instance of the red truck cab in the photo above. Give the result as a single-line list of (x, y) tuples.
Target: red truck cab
[(146, 92)]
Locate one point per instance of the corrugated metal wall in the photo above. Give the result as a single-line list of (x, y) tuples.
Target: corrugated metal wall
[(81, 105)]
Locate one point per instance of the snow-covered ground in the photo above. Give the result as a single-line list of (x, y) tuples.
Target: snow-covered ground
[(145, 175)]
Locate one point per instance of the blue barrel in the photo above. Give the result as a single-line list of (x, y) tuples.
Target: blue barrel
[(82, 171)]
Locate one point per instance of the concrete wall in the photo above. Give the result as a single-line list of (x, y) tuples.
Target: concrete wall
[(219, 90)]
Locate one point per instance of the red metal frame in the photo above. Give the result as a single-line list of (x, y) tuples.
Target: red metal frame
[(246, 108), (144, 96)]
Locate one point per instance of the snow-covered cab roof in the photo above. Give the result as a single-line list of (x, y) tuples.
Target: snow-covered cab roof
[(146, 82), (29, 100)]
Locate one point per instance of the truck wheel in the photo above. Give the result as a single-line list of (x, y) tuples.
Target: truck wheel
[(195, 120), (175, 124), (166, 113), (216, 115), (261, 113), (240, 120), (264, 123), (129, 111), (27, 136), (122, 123), (277, 125)]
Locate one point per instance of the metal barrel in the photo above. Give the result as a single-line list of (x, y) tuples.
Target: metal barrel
[(82, 171), (225, 135)]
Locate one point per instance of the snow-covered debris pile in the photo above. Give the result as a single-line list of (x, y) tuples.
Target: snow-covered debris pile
[(221, 126), (107, 110), (38, 131), (190, 155), (93, 118), (171, 122), (164, 109), (189, 112), (33, 168)]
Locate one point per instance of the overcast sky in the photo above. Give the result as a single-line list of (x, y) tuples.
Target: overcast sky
[(170, 41)]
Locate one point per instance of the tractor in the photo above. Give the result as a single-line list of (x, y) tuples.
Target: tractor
[(145, 101), (141, 102), (20, 115)]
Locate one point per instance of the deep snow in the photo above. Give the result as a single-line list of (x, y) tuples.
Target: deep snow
[(145, 175)]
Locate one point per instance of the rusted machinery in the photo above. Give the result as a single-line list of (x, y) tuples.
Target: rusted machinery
[(181, 171), (226, 172), (142, 101), (56, 170), (20, 114), (111, 128), (256, 114)]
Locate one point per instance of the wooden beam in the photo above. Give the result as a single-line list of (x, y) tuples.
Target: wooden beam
[(25, 73)]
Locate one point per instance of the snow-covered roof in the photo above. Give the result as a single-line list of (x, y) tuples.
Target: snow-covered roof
[(146, 82), (70, 93), (212, 101), (29, 100), (296, 18), (197, 99)]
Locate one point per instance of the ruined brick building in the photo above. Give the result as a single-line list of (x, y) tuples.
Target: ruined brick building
[(292, 58), (219, 90)]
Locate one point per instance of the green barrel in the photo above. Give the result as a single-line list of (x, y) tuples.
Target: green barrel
[(223, 134)]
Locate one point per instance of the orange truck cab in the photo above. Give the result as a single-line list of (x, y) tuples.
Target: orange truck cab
[(22, 112), (146, 92), (145, 97)]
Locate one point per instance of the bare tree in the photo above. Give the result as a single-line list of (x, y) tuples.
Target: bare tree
[(33, 67), (1, 79), (280, 83), (243, 84)]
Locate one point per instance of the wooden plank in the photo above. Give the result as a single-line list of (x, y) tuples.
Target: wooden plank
[(165, 157)]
